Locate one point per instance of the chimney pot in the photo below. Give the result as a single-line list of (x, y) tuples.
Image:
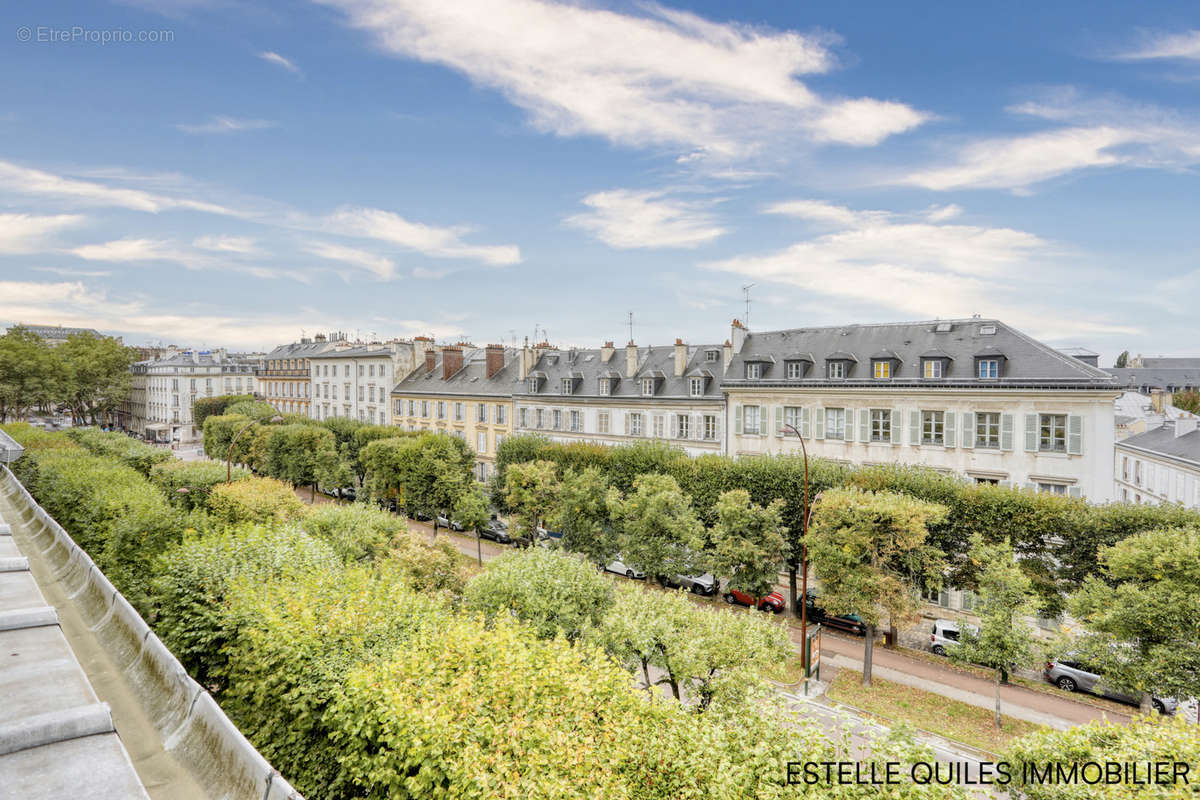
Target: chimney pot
[(493, 359), (452, 360), (430, 360), (680, 358), (631, 359)]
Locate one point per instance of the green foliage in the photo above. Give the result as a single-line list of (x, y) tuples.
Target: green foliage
[(262, 500), (219, 432), (659, 531), (97, 375), (748, 543), (32, 375), (118, 446), (301, 454), (196, 477), (430, 569), (254, 409), (381, 461), (1144, 628), (1187, 399), (471, 509), (531, 492), (356, 532), (554, 593), (192, 581), (205, 407), (1122, 360), (581, 514), (35, 440), (1146, 740)]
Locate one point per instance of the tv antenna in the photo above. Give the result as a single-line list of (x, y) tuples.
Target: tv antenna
[(631, 326), (746, 292)]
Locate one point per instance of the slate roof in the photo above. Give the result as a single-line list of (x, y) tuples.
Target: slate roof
[(657, 361), (471, 380), (1156, 377), (1163, 441), (298, 350), (362, 351), (1161, 362), (1027, 362)]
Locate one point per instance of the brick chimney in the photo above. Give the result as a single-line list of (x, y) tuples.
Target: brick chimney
[(728, 355), (430, 360), (680, 358), (494, 359), (452, 360), (1157, 400), (631, 359), (606, 352), (737, 334)]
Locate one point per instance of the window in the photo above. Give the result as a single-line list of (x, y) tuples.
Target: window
[(371, 371), (481, 442), (753, 370), (425, 408), (647, 386), (533, 385), (1052, 488), (795, 370), (459, 412), (933, 368), (710, 426), (683, 426), (361, 390), (361, 370), (697, 386), (1137, 472), (540, 418), (481, 412), (658, 426), (399, 407), (605, 386), (346, 371), (522, 418), (635, 424), (576, 421), (988, 481), (441, 409), (556, 417), (499, 440), (970, 600), (501, 415), (751, 423), (881, 425), (602, 420), (883, 369), (791, 416), (565, 386), (987, 430), (837, 369), (938, 597), (1053, 433), (335, 391), (1125, 468), (933, 427), (989, 368), (835, 423), (710, 356)]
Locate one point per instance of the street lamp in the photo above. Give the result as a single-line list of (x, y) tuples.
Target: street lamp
[(236, 436), (803, 550)]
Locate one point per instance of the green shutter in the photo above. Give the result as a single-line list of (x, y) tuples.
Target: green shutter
[(968, 429), (1074, 491), (1075, 434), (805, 422), (848, 424), (949, 435), (864, 425), (819, 420), (778, 420), (738, 418), (1006, 431), (1031, 433), (896, 426), (914, 428)]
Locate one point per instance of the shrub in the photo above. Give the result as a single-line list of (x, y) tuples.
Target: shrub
[(205, 407), (198, 477), (118, 446), (220, 430), (254, 409), (262, 500), (34, 440), (356, 532), (192, 581), (433, 569)]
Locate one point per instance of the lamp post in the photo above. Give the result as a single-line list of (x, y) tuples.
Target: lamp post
[(803, 550), (236, 436)]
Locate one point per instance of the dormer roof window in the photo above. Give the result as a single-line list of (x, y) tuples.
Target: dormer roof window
[(567, 386), (711, 356), (989, 364), (753, 370), (884, 365), (648, 387)]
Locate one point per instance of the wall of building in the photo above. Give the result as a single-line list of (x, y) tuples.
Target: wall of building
[(482, 422), (659, 420)]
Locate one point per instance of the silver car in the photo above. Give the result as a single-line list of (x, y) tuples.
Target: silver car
[(621, 568), (946, 633), (704, 584), (1068, 674)]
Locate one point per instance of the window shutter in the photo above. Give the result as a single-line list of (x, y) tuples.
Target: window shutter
[(778, 420), (737, 420), (848, 424), (914, 428), (697, 426), (896, 428), (968, 429), (1074, 491), (627, 423), (805, 422), (1006, 431), (949, 436), (763, 421), (1075, 434), (819, 433), (1031, 433), (864, 425)]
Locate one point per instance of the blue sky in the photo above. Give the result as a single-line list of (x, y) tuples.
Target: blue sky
[(230, 174)]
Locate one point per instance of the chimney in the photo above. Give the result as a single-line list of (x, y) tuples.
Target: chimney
[(631, 359), (738, 335), (452, 360), (1156, 400), (728, 355), (494, 359), (680, 358), (606, 352), (526, 359), (1186, 425), (430, 360)]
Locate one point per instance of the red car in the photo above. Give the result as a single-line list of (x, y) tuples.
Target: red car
[(772, 602)]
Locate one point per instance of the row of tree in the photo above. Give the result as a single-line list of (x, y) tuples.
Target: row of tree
[(87, 374)]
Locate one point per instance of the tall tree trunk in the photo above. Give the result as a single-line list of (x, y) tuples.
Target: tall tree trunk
[(792, 597), (868, 652), (646, 675), (999, 724)]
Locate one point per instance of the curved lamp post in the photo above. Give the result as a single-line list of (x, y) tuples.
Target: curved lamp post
[(236, 436), (803, 549)]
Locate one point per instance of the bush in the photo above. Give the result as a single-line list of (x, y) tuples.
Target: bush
[(34, 440), (118, 446), (220, 430), (254, 409), (205, 407), (356, 532), (261, 500), (198, 477), (192, 580)]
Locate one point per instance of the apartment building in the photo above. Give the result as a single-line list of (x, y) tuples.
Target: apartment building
[(285, 376), (172, 383), (1161, 465), (357, 382)]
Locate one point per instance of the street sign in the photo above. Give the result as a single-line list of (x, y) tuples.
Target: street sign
[(812, 657)]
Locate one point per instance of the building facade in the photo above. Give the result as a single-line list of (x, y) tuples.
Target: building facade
[(285, 378), (173, 382), (972, 397), (465, 392), (606, 396), (356, 382), (1161, 465)]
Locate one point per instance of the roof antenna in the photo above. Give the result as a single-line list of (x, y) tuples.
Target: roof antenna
[(631, 326), (746, 291)]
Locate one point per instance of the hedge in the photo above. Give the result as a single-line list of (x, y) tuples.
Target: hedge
[(261, 500), (131, 452), (197, 477), (34, 440), (356, 532), (205, 407)]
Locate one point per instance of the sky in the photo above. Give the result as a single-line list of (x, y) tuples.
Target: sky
[(220, 173)]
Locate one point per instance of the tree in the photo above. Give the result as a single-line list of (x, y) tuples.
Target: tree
[(747, 543), (381, 465), (870, 552), (471, 512), (255, 409), (1188, 400), (1004, 640), (1143, 614), (659, 531), (1122, 360), (205, 407), (353, 450), (581, 514), (554, 593), (97, 375), (31, 376), (303, 455), (434, 470), (531, 491)]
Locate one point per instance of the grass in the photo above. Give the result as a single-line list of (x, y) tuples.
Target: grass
[(788, 672), (952, 719)]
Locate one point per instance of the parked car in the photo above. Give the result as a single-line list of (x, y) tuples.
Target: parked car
[(1071, 675), (446, 522), (772, 602), (704, 584), (618, 566), (846, 622), (497, 531), (419, 516), (946, 634)]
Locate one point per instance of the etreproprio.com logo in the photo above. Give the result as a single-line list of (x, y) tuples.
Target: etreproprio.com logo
[(80, 34)]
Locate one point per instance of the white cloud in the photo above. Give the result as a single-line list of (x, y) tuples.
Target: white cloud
[(626, 218), (1184, 45), (441, 242), (377, 265), (27, 233), (220, 124), (67, 272), (121, 250), (664, 77), (271, 57), (242, 245), (817, 211), (943, 213)]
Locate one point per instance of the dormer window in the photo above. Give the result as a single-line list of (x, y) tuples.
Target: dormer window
[(795, 370), (753, 370), (533, 385), (565, 387), (988, 368), (987, 330), (648, 387), (697, 387), (883, 369), (837, 370), (605, 386), (711, 355), (934, 368)]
